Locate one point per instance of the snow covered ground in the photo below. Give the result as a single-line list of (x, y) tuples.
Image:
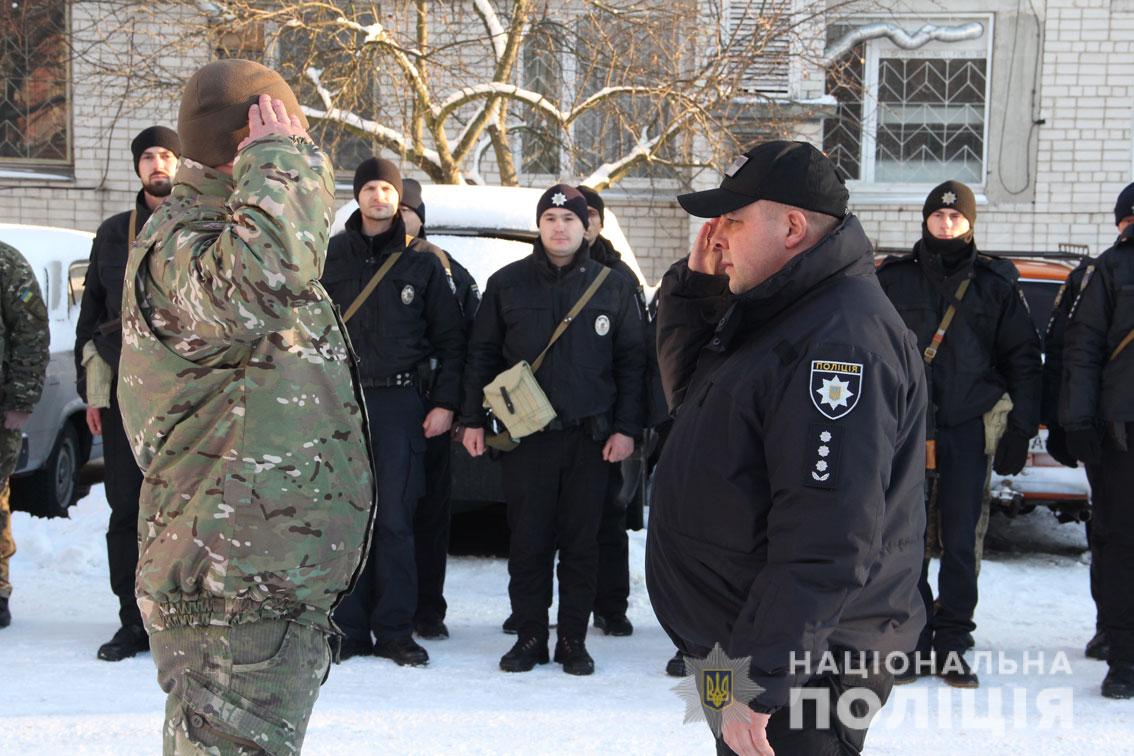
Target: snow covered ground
[(58, 699)]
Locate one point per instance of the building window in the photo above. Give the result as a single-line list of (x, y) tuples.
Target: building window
[(35, 123), (762, 29), (910, 116)]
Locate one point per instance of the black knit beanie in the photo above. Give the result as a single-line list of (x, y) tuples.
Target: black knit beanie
[(565, 197), (411, 197), (154, 136), (594, 199), (951, 195), (1124, 207), (377, 169)]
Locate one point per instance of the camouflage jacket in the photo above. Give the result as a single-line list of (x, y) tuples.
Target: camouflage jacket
[(239, 395), (24, 334)]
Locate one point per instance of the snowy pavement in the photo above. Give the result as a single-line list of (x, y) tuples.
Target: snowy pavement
[(58, 699)]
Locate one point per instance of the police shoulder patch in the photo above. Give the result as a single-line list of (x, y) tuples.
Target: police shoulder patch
[(835, 387)]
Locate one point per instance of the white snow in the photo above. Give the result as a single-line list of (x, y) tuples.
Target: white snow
[(60, 699)]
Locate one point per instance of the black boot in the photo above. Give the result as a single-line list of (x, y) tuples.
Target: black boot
[(1119, 682), (955, 671), (351, 647), (431, 629), (405, 651), (528, 651), (127, 642), (572, 654), (675, 667), (510, 627), (1097, 647), (614, 624)]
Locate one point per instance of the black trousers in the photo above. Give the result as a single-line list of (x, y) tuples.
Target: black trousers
[(554, 483), (612, 595), (1112, 546), (1094, 573), (837, 739), (431, 529), (385, 597), (123, 481), (961, 466)]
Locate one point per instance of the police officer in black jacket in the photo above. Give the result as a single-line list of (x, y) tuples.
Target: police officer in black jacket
[(990, 348), (1096, 410), (555, 480), (410, 320), (612, 589), (432, 519), (155, 150), (788, 515)]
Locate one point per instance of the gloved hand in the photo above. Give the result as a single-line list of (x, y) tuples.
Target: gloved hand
[(1085, 444), (1011, 453), (1057, 446)]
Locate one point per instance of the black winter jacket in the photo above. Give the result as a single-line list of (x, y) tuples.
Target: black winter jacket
[(1054, 338), (102, 290), (788, 515), (1095, 387), (410, 317), (595, 368), (991, 347)]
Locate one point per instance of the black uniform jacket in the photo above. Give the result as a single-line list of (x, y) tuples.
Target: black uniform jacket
[(595, 368), (1054, 339), (992, 345), (102, 289), (788, 513), (410, 317), (1095, 387)]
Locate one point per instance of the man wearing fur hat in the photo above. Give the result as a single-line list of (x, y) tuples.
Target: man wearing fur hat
[(240, 396), (408, 319), (555, 480), (983, 362), (98, 344)]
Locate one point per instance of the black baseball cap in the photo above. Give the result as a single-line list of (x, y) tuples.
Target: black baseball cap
[(791, 173)]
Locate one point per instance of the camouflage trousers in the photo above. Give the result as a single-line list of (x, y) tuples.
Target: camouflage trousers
[(244, 689), (10, 442)]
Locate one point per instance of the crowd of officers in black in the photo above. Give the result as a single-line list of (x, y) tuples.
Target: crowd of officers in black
[(427, 344)]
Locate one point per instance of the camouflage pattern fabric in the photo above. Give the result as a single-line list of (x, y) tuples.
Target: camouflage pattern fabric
[(24, 341), (245, 689), (239, 396)]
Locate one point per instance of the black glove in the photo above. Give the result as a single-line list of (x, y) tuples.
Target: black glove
[(1085, 445), (1011, 453), (1057, 446)]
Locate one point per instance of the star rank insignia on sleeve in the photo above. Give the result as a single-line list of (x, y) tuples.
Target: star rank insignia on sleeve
[(835, 387)]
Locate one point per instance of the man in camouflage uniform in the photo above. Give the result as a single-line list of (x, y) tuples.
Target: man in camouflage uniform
[(23, 345), (240, 397)]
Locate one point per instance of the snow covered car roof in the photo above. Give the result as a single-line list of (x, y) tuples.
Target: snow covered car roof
[(486, 227)]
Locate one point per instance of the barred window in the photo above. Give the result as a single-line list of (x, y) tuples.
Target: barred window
[(35, 122), (909, 116)]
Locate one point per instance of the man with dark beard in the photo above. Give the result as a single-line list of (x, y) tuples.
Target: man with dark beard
[(98, 344), (982, 355)]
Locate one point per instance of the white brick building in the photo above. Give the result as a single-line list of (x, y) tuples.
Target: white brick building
[(1041, 123)]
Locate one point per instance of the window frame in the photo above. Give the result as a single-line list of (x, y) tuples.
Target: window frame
[(914, 191)]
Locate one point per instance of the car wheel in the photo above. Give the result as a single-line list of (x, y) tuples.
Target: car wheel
[(51, 490)]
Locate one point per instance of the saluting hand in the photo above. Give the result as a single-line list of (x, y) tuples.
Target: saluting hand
[(270, 116), (705, 254), (618, 447)]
